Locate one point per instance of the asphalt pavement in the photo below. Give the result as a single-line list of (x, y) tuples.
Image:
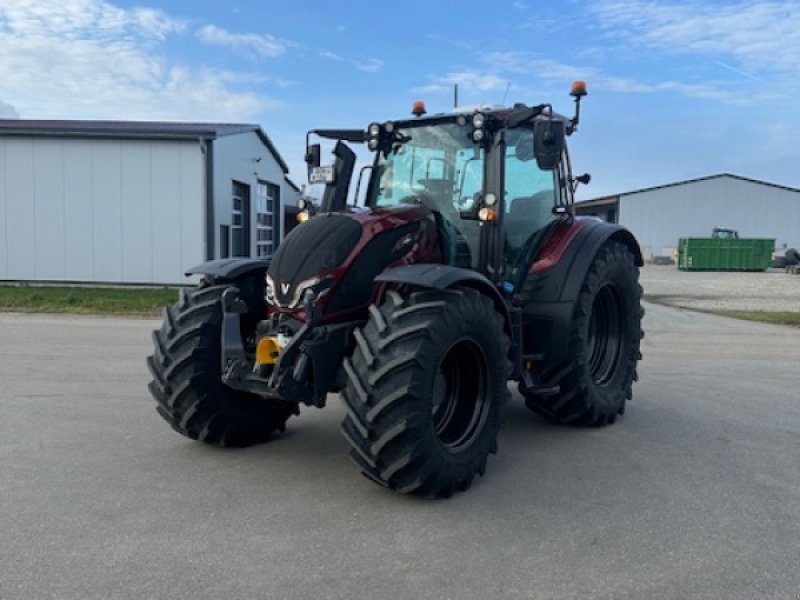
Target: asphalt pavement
[(695, 492)]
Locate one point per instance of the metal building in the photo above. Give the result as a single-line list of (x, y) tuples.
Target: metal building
[(660, 215), (135, 202)]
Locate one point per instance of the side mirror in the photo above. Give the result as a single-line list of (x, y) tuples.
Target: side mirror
[(548, 143), (313, 154)]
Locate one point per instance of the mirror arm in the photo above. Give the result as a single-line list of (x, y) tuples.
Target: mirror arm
[(524, 115), (573, 124)]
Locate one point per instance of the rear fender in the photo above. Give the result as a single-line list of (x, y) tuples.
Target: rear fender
[(561, 264), (590, 244), (554, 282)]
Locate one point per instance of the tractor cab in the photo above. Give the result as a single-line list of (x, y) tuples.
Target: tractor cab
[(494, 178)]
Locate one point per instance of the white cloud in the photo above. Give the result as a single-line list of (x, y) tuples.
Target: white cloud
[(471, 81), (527, 64), (263, 45), (371, 65), (7, 111), (330, 55), (156, 22), (523, 64), (758, 36), (69, 17), (92, 60), (433, 88)]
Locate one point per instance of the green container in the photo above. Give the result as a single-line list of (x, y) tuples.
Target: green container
[(714, 254)]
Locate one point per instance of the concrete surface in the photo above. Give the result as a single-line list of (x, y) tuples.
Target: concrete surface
[(694, 493), (771, 290)]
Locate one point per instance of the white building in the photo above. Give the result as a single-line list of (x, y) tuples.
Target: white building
[(133, 202), (659, 216)]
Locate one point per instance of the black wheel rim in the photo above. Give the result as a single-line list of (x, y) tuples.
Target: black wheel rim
[(605, 335), (460, 405)]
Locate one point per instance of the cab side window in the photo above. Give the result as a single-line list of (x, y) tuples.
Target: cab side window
[(530, 195)]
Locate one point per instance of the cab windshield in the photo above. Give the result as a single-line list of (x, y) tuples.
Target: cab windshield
[(439, 166)]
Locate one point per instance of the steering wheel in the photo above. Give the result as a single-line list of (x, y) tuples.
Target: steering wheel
[(419, 198)]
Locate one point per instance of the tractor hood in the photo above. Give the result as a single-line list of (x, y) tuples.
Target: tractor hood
[(336, 257)]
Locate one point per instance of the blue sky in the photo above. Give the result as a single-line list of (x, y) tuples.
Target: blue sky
[(676, 89)]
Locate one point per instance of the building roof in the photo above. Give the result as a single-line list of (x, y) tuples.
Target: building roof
[(609, 199), (137, 129), (597, 202), (291, 183)]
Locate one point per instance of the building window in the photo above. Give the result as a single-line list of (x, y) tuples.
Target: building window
[(240, 220), (224, 241), (267, 203)]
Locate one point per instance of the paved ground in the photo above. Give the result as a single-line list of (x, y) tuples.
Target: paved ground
[(771, 290), (694, 493)]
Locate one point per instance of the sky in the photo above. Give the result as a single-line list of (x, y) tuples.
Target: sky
[(676, 89)]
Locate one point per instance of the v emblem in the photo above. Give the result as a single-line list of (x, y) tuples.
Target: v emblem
[(285, 288)]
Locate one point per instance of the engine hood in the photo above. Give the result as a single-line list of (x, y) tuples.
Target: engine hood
[(338, 255)]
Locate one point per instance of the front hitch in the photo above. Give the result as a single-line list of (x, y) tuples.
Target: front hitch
[(304, 369), (233, 355)]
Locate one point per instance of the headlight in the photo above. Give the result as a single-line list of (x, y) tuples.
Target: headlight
[(486, 214), (388, 127), (316, 285), (478, 120), (302, 203), (477, 135), (374, 130), (373, 143)]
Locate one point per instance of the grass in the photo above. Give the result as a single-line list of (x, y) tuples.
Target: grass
[(85, 300), (780, 318), (150, 301), (776, 317)]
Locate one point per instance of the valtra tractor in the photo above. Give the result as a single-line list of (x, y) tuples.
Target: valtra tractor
[(465, 268)]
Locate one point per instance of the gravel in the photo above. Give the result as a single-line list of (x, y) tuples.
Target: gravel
[(772, 290)]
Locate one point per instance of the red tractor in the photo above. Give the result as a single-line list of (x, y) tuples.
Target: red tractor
[(464, 269)]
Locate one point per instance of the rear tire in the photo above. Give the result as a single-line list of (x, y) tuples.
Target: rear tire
[(187, 383), (426, 390), (792, 257), (779, 263), (604, 344)]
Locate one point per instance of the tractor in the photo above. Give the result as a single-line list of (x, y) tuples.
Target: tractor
[(464, 269)]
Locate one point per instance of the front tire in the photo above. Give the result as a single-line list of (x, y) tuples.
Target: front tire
[(426, 390), (187, 377), (604, 342)]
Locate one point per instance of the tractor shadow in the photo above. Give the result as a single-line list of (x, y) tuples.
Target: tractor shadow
[(536, 459)]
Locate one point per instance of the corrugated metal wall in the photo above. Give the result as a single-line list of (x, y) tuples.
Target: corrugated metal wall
[(100, 210), (660, 217)]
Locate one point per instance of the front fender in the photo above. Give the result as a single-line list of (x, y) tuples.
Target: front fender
[(230, 269), (440, 277)]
